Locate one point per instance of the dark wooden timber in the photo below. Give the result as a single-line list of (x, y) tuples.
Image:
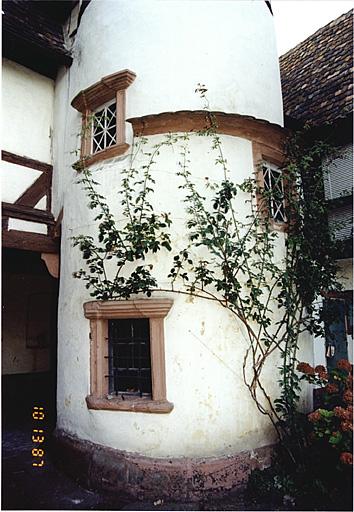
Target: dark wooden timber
[(18, 211), (5, 222), (55, 231), (14, 239), (34, 193), (25, 161)]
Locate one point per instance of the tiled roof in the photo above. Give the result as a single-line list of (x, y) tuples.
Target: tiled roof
[(22, 20), (316, 75)]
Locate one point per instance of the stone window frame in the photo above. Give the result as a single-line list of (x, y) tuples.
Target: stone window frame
[(99, 313), (265, 154), (90, 100)]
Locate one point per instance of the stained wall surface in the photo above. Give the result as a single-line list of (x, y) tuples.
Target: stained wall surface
[(171, 46)]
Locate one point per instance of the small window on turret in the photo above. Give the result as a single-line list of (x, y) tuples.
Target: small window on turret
[(272, 185), (104, 127), (102, 106), (274, 188)]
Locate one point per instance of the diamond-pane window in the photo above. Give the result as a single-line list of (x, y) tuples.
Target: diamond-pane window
[(273, 183), (104, 129)]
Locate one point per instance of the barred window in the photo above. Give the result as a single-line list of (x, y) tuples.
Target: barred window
[(104, 129), (273, 183), (129, 357), (102, 106)]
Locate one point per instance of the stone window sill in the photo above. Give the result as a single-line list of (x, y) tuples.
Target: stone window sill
[(105, 154), (132, 404)]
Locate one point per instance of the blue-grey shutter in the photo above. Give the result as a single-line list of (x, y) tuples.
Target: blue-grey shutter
[(338, 180)]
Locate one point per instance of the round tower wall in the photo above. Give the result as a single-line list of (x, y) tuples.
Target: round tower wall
[(172, 46)]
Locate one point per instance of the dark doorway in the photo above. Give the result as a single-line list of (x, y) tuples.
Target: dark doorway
[(338, 316), (29, 338)]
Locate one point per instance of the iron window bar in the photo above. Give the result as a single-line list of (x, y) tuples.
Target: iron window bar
[(273, 183), (129, 360), (104, 130)]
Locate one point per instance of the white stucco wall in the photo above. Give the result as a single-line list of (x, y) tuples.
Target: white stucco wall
[(27, 107), (213, 411), (171, 46)]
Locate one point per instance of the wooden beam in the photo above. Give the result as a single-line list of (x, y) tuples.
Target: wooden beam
[(26, 162), (18, 211), (36, 191), (5, 222), (56, 233), (25, 241)]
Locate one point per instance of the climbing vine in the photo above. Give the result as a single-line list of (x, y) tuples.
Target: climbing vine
[(228, 258)]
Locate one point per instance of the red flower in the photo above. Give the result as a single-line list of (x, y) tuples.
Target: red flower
[(322, 373), (344, 364), (331, 389), (346, 458), (340, 413), (314, 416), (348, 397), (305, 368), (346, 426)]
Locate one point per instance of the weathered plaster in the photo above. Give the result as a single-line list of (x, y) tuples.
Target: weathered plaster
[(213, 413), (26, 225), (27, 103), (182, 479), (229, 46), (15, 179)]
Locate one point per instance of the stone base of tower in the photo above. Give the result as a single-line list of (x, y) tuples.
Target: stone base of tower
[(183, 479)]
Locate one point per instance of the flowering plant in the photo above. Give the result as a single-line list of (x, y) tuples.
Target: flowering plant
[(332, 424)]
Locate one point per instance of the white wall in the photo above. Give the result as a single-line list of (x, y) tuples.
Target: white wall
[(27, 108), (172, 46), (213, 411), (230, 46)]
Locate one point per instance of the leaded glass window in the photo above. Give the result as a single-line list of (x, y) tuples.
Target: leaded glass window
[(273, 184), (129, 357), (104, 129)]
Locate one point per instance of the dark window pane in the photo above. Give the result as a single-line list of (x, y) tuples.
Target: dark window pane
[(129, 356)]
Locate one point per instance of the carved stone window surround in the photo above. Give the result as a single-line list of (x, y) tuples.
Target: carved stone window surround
[(89, 100), (99, 312)]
